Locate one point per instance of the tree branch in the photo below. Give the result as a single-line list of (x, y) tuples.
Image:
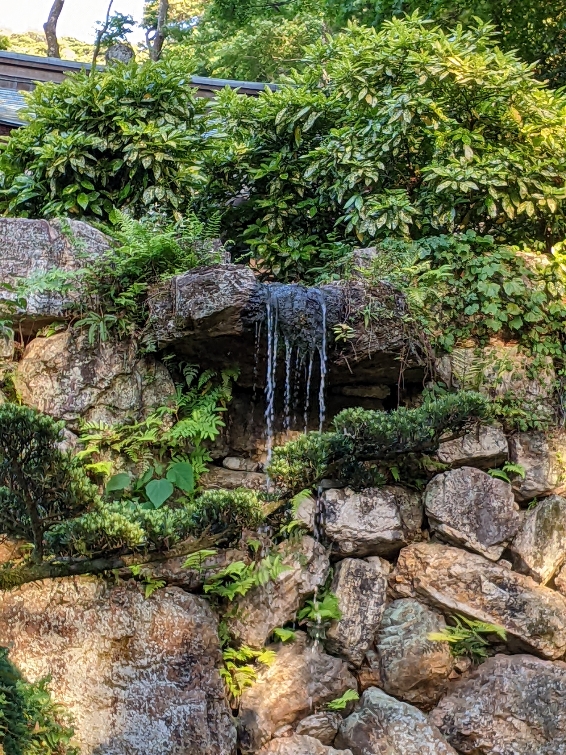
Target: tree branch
[(17, 576), (99, 37), (156, 44), (50, 29)]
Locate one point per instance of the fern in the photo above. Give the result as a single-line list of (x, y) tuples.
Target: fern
[(508, 469), (341, 702), (238, 578), (469, 637), (238, 672)]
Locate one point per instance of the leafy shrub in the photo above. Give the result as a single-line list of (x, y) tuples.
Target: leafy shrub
[(121, 527), (126, 137), (39, 484), (361, 434), (30, 722), (222, 509), (407, 132)]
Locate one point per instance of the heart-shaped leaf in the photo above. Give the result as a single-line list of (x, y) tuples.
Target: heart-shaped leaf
[(158, 491), (119, 481), (181, 474)]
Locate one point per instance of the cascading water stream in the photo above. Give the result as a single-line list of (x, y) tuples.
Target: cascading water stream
[(297, 317)]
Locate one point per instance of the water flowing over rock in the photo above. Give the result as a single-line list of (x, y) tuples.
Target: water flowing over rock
[(300, 745), (456, 581), (32, 247), (301, 679), (468, 507), (485, 447), (382, 724), (373, 522), (412, 667), (540, 457), (139, 676), (510, 705), (361, 589), (68, 379), (322, 726), (272, 605), (540, 546)]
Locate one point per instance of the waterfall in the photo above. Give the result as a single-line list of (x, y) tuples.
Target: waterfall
[(296, 317)]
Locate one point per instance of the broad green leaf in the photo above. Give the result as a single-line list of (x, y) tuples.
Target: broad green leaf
[(158, 491), (119, 481), (182, 475)]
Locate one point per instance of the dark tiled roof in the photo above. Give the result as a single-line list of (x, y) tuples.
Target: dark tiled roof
[(11, 102)]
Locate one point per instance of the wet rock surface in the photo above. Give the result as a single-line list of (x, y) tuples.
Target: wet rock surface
[(272, 605), (510, 705), (137, 675), (302, 678), (372, 522), (68, 379), (383, 725), (539, 549), (468, 507), (412, 667), (456, 581), (361, 589), (219, 478)]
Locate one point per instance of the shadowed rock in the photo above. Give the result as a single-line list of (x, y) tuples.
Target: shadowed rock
[(539, 548)]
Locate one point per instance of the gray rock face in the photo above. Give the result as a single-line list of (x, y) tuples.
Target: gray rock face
[(539, 549), (272, 605), (373, 522), (297, 745), (383, 725), (301, 679), (213, 300), (538, 454), (456, 581), (31, 247), (412, 667), (322, 726), (68, 379), (137, 675), (560, 581), (361, 588), (468, 507), (510, 705), (485, 447)]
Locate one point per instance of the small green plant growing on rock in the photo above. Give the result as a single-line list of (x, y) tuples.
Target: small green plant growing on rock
[(238, 578), (30, 722), (341, 702), (318, 613), (40, 485), (508, 469), (469, 638), (239, 670)]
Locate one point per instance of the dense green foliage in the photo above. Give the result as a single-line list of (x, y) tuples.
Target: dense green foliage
[(404, 132), (127, 137), (485, 289), (40, 485), (30, 722), (361, 435)]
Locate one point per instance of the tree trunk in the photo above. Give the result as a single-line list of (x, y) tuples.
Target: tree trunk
[(156, 44), (50, 28), (30, 572), (97, 44)]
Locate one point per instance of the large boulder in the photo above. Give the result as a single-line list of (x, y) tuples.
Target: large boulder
[(412, 667), (299, 745), (68, 379), (483, 447), (301, 679), (361, 589), (272, 605), (539, 549), (138, 676), (384, 725), (510, 705), (540, 455), (456, 581), (469, 507), (31, 247), (211, 301), (372, 522)]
